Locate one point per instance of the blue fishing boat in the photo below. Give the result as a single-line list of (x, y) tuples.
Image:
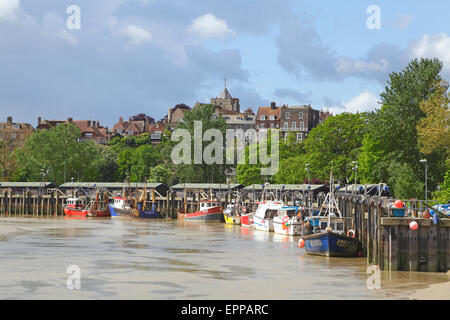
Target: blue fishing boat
[(327, 235), (121, 208), (133, 207)]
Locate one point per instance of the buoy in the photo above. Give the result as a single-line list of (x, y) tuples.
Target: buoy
[(301, 243), (398, 204), (414, 225), (351, 233)]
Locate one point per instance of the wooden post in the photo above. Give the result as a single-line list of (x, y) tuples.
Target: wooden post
[(413, 250), (432, 249)]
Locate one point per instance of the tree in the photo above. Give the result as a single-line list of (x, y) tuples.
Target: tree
[(7, 159), (392, 135), (335, 143), (433, 129), (56, 155), (403, 181), (202, 172)]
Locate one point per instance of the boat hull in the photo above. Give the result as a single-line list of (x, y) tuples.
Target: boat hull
[(232, 219), (86, 213), (213, 214), (118, 212), (263, 224), (247, 220), (331, 244), (293, 228)]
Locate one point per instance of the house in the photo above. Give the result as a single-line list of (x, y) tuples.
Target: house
[(298, 120), (175, 114), (90, 130), (268, 117), (156, 131), (15, 133)]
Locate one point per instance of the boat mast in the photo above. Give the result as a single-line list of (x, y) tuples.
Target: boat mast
[(330, 199)]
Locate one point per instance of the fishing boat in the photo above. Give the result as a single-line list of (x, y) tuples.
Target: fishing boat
[(76, 207), (288, 221), (209, 211), (328, 237), (246, 217), (263, 217), (133, 207), (231, 215)]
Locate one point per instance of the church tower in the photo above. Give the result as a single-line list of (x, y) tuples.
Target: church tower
[(226, 101)]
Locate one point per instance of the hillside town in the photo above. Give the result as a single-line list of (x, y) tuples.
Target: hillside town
[(298, 120)]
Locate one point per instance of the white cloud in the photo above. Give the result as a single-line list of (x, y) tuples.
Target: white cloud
[(8, 9), (137, 35), (365, 101), (209, 25), (436, 46)]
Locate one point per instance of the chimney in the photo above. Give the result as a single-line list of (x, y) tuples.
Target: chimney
[(147, 124), (121, 120), (89, 123), (39, 120), (169, 115), (9, 121), (98, 124), (273, 105)]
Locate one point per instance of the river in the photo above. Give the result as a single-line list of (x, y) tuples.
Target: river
[(158, 259)]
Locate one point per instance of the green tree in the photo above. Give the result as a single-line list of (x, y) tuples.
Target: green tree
[(335, 143), (403, 181), (7, 159), (202, 172), (59, 155)]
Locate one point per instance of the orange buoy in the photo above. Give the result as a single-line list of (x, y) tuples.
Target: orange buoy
[(398, 204), (301, 243), (414, 225), (351, 233)]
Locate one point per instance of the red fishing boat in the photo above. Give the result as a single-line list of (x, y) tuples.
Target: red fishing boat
[(209, 211), (76, 207)]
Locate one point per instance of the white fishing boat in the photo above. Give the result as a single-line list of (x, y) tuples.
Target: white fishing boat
[(263, 217), (288, 221)]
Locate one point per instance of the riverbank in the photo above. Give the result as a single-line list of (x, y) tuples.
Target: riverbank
[(440, 291)]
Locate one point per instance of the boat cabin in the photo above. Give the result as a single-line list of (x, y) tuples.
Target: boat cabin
[(74, 203), (288, 211), (205, 205), (120, 202)]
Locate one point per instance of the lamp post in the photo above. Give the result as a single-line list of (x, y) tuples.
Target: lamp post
[(355, 167), (309, 182), (426, 182)]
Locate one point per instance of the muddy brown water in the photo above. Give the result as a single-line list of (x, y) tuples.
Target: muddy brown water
[(158, 259)]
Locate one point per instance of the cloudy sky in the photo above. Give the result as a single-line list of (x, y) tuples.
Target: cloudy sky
[(133, 56)]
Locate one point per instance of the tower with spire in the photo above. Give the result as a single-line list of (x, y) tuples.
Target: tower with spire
[(226, 101)]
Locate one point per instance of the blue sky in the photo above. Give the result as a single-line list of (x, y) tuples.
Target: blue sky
[(133, 56)]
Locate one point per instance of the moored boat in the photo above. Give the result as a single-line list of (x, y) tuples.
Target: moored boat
[(263, 217), (328, 237), (231, 216), (121, 207), (76, 207), (209, 211), (288, 221)]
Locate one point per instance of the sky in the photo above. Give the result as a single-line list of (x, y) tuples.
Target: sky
[(145, 56)]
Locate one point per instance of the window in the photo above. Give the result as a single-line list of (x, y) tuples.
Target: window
[(271, 126), (89, 135), (286, 125), (262, 126), (300, 115), (294, 125), (272, 117), (302, 126), (299, 136), (288, 115), (262, 118), (13, 135), (278, 126)]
